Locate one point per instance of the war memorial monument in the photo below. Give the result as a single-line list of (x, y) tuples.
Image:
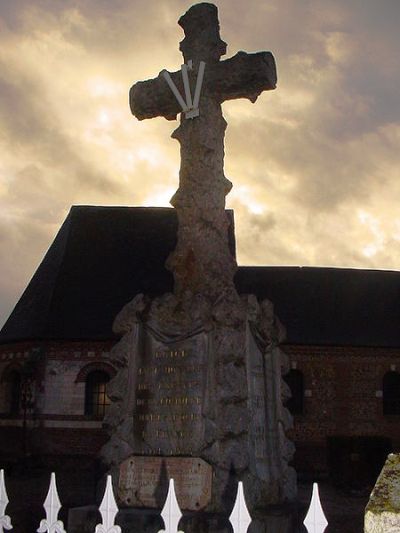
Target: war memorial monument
[(198, 396)]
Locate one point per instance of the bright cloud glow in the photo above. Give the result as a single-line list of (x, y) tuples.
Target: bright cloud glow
[(102, 87), (104, 118), (159, 198), (370, 250), (256, 209), (150, 154)]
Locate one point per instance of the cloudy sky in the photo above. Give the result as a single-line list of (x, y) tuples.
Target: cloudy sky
[(315, 164)]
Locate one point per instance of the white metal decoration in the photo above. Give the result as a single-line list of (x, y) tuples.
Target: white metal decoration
[(5, 520), (240, 517), (191, 106), (108, 510), (52, 506), (171, 513), (315, 521)]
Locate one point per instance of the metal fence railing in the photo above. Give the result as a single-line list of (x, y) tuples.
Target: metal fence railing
[(171, 514)]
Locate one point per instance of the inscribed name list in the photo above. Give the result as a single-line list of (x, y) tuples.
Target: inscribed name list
[(171, 384)]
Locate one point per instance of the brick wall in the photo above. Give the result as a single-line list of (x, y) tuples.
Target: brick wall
[(56, 424), (341, 385), (57, 391), (342, 398)]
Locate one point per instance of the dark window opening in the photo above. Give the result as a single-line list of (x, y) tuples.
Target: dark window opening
[(96, 399), (13, 384), (295, 381), (391, 393), (355, 462)]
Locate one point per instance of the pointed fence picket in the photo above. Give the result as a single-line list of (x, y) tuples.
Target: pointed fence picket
[(240, 518), (52, 506), (108, 510), (5, 521), (315, 520), (171, 513)]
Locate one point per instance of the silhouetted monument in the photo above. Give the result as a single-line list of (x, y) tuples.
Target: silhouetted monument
[(199, 393)]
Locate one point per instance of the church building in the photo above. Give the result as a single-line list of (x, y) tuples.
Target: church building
[(343, 340)]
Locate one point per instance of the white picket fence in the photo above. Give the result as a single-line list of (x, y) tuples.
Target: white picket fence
[(240, 519)]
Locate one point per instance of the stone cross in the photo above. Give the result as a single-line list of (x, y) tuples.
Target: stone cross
[(202, 262)]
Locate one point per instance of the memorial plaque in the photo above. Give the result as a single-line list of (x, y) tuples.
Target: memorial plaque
[(143, 481), (171, 381)]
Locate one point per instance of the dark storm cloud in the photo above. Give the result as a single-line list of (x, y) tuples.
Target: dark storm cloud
[(34, 128), (332, 147), (25, 241)]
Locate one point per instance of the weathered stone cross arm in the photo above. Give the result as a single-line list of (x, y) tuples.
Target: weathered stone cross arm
[(241, 76)]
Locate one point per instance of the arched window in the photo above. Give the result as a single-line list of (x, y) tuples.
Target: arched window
[(96, 399), (295, 380), (391, 393), (13, 392)]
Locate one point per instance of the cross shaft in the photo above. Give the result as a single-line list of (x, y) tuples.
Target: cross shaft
[(202, 262)]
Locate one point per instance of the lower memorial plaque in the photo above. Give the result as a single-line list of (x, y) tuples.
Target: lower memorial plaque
[(143, 481)]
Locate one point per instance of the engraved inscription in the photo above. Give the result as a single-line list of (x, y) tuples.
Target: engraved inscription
[(170, 384), (143, 481), (258, 406)]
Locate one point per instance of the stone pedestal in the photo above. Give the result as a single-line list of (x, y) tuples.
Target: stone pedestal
[(199, 393), (85, 519), (382, 514)]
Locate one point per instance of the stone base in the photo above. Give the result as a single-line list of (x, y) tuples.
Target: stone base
[(382, 514), (83, 519), (200, 380), (277, 520)]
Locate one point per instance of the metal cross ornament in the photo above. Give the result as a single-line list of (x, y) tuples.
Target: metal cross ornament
[(190, 107), (202, 262)]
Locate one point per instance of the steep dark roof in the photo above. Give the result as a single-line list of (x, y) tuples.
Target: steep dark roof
[(336, 306), (103, 256)]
